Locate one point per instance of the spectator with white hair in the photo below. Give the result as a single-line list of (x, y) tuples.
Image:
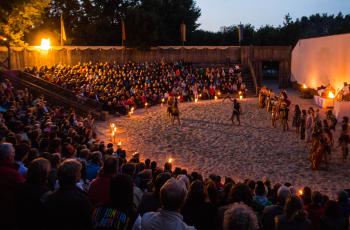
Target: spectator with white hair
[(68, 207), (172, 196), (9, 181), (240, 217)]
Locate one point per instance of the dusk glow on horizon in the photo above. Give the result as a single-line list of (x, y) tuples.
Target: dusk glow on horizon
[(218, 13)]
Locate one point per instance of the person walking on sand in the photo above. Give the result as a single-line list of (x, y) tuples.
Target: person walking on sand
[(236, 112)]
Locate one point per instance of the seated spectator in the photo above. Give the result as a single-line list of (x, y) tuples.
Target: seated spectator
[(99, 188), (270, 212), (240, 217), (68, 207), (294, 216), (315, 209), (21, 154), (129, 169), (10, 179), (119, 213), (344, 203), (240, 193), (172, 196), (333, 218), (197, 211), (260, 196), (93, 167), (150, 201), (30, 208)]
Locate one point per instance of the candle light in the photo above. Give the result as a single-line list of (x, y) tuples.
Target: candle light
[(219, 93), (163, 100), (200, 95), (240, 97), (239, 92), (170, 160), (196, 100), (300, 192), (119, 144), (146, 104), (304, 86), (216, 97)]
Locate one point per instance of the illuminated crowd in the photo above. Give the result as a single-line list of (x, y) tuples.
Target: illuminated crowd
[(56, 174), (121, 87)]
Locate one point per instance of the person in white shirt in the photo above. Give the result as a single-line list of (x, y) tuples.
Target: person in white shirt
[(172, 196)]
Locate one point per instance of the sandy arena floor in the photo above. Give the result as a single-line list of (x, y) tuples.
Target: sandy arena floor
[(207, 142)]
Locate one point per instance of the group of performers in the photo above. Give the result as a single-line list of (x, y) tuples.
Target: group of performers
[(308, 125), (278, 106), (174, 112)]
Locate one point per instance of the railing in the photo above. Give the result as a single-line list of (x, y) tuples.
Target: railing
[(252, 73), (60, 90), (55, 98)]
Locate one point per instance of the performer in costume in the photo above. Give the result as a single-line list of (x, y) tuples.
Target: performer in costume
[(236, 112), (170, 103), (296, 118), (175, 112), (284, 110), (303, 124)]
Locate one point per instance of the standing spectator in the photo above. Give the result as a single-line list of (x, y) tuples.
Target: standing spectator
[(9, 182), (68, 207), (172, 196)]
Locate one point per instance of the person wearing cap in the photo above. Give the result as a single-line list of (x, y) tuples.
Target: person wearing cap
[(172, 197)]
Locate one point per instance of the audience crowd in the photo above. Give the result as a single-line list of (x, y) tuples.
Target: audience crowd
[(56, 174), (121, 87)]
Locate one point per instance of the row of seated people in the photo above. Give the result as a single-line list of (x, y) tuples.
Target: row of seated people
[(120, 87), (56, 174), (103, 190)]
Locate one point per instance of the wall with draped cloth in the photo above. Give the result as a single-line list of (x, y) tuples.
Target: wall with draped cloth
[(206, 55), (71, 55), (322, 61)]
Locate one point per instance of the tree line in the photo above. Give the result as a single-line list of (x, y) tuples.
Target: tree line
[(147, 23)]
